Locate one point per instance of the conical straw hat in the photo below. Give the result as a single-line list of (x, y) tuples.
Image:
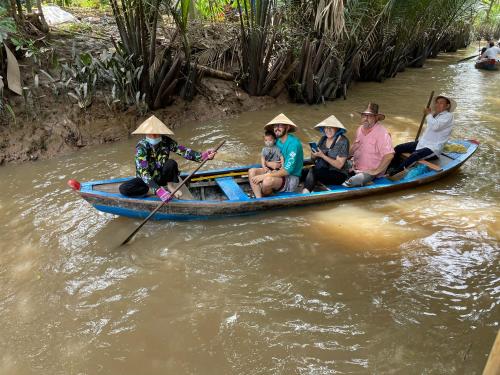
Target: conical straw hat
[(330, 122), (153, 125), (281, 119), (453, 104)]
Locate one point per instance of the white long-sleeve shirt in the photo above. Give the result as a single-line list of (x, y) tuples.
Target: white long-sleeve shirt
[(491, 53), (437, 132)]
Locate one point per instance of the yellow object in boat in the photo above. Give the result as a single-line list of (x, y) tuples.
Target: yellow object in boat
[(455, 147)]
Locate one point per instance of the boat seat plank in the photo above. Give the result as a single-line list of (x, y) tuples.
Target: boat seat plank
[(432, 166), (231, 188)]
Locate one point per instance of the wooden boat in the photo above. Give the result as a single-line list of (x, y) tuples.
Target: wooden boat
[(225, 192), (487, 65)]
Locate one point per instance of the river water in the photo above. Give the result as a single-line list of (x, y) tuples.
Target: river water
[(402, 283)]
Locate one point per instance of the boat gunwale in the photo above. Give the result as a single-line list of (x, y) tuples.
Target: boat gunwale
[(277, 200)]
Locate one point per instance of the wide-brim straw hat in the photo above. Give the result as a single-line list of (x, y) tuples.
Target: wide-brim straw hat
[(153, 125), (453, 104), (330, 122), (283, 120), (369, 110)]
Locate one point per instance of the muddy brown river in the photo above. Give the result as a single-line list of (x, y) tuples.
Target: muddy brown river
[(401, 283)]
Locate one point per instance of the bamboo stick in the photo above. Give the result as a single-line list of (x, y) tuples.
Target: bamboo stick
[(493, 365)]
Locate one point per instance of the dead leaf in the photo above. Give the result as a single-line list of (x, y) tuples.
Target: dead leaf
[(13, 73)]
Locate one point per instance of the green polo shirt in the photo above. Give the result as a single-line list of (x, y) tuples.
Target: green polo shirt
[(293, 154)]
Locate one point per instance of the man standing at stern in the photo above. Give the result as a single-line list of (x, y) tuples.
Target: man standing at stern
[(438, 131)]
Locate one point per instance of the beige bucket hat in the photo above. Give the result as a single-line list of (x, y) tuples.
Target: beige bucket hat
[(281, 119), (330, 122), (372, 109), (153, 125), (453, 104)]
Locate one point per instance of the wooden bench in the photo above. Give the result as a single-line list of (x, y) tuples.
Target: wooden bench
[(231, 188), (430, 165)]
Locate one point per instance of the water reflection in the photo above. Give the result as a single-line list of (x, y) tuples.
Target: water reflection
[(357, 228), (397, 283)]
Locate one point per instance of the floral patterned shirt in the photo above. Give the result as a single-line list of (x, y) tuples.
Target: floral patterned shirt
[(149, 160)]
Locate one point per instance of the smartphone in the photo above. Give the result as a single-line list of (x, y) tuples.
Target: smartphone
[(314, 146)]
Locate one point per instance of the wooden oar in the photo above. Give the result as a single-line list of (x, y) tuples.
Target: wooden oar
[(172, 193), (493, 365), (423, 117), (467, 58)]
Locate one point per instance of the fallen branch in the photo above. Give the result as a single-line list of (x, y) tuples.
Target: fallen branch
[(213, 72)]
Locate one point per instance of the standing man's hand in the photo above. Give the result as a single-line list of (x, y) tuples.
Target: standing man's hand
[(427, 110)]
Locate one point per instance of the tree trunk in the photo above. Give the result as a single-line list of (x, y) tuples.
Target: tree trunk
[(44, 25), (13, 11), (19, 9)]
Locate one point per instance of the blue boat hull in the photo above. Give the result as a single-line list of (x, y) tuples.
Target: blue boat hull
[(232, 200)]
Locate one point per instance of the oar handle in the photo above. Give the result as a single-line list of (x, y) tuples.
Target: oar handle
[(172, 194), (423, 117)]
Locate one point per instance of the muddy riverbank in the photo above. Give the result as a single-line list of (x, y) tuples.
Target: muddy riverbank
[(45, 121), (60, 127)]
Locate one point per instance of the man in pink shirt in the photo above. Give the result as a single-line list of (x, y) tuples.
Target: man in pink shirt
[(372, 151)]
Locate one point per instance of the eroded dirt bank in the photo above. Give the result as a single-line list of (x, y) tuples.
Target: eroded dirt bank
[(61, 127)]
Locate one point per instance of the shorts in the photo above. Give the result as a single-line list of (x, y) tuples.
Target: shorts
[(289, 184)]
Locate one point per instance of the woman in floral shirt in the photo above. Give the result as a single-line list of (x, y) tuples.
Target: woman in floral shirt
[(154, 169)]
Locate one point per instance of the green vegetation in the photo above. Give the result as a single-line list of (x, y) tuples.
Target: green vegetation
[(487, 23), (313, 49), (93, 4)]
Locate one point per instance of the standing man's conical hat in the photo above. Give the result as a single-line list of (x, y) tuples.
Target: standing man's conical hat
[(453, 104), (281, 119), (330, 122), (153, 125)]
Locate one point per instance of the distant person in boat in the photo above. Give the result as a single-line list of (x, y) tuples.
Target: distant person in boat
[(283, 178), (372, 150), (270, 153), (483, 50), (330, 157), (491, 53), (154, 169), (438, 130)]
